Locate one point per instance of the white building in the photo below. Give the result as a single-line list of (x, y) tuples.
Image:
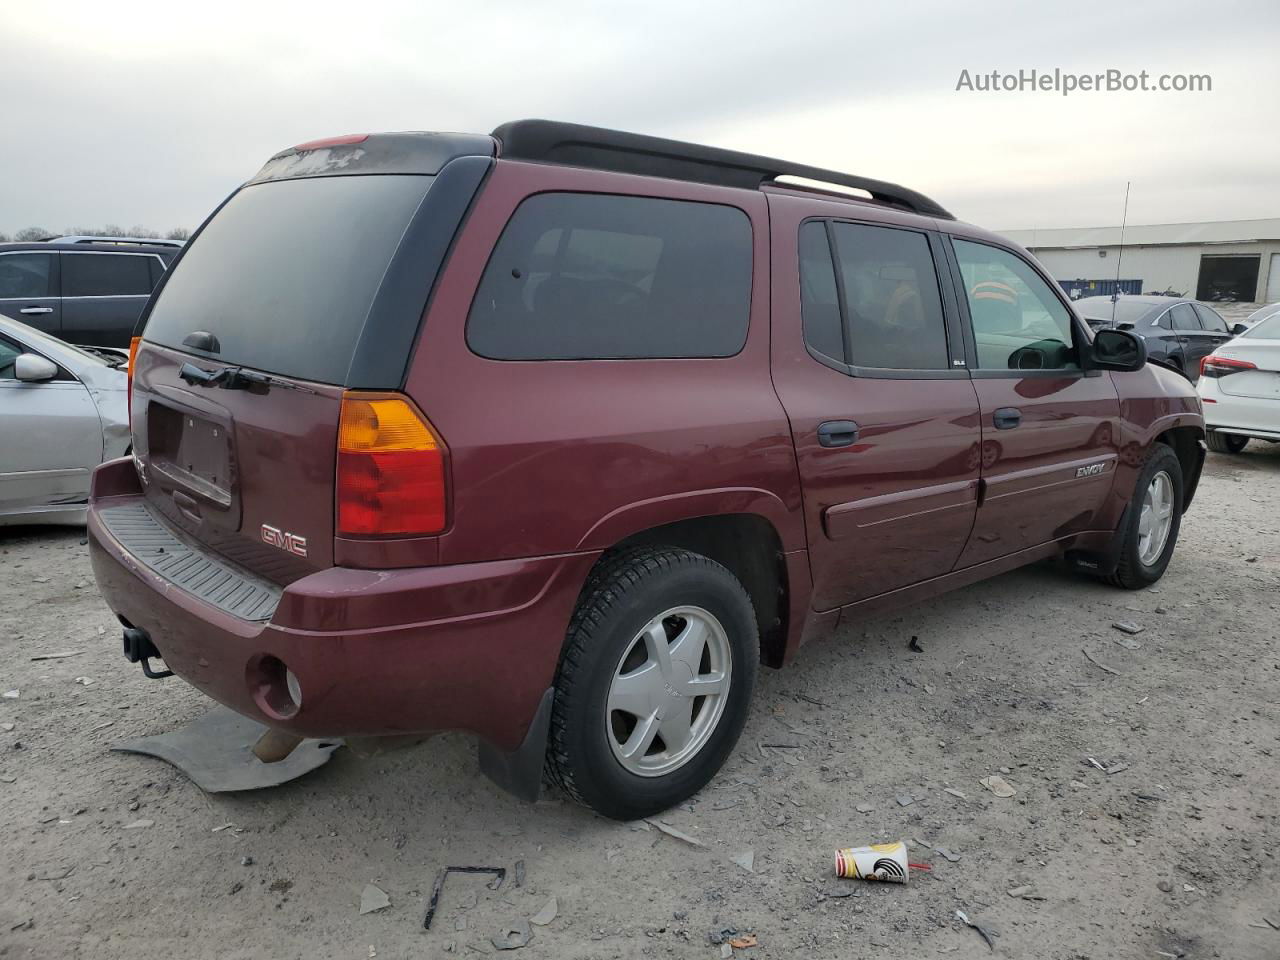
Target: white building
[(1221, 260)]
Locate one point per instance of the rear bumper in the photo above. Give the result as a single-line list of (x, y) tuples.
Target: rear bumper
[(468, 647), (1233, 413)]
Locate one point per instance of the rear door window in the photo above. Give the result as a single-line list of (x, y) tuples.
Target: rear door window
[(1209, 319), (579, 276), (892, 308), (1018, 321), (1183, 317), (286, 272), (106, 275), (25, 276)]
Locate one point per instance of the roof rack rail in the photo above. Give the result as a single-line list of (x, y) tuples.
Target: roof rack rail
[(120, 241), (576, 145)]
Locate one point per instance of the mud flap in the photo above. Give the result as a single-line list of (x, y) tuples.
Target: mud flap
[(520, 772), (1102, 563)]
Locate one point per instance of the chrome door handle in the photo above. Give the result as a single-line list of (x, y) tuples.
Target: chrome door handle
[(31, 310)]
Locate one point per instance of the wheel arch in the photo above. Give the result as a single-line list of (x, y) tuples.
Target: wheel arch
[(750, 546), (1188, 443)]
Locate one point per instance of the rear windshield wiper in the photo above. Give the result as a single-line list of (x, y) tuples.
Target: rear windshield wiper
[(234, 378)]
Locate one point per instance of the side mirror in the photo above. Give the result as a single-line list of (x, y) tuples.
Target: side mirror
[(1238, 328), (1119, 350), (32, 368)]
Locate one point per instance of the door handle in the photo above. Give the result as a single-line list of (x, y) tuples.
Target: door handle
[(838, 433), (31, 310), (1006, 418)]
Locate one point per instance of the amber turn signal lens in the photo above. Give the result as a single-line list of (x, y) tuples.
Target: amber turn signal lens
[(390, 478)]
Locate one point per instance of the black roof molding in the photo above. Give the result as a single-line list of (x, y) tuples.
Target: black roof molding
[(576, 145)]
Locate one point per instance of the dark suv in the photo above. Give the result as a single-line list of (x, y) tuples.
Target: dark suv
[(83, 290), (554, 435)]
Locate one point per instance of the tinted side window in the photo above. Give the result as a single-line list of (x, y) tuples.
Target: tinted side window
[(25, 275), (580, 276), (819, 304), (105, 275), (9, 352), (1184, 318), (1018, 323), (1165, 322), (892, 305), (1209, 319)]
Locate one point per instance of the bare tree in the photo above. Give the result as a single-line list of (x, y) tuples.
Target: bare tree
[(178, 233), (27, 234), (4, 238)]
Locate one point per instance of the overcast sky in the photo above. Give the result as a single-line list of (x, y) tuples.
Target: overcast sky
[(141, 113)]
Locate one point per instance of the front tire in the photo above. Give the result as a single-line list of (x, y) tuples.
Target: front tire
[(655, 682), (1152, 522), (1226, 442)]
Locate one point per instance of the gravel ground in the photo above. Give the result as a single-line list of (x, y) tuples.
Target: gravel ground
[(1171, 853)]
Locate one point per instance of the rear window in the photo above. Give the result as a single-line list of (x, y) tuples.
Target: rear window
[(1101, 308), (106, 275), (1268, 329), (285, 274), (593, 276)]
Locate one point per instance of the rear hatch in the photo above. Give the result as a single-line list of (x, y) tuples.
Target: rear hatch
[(312, 278)]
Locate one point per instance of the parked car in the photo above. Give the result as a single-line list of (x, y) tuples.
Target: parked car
[(63, 410), (1240, 388), (82, 290), (662, 419), (1269, 310), (1178, 332)]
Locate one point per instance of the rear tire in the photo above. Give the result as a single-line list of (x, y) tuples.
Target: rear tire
[(653, 625), (1149, 533), (1226, 442)]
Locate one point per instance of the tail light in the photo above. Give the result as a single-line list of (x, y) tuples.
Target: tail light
[(1212, 366), (133, 358), (390, 468)]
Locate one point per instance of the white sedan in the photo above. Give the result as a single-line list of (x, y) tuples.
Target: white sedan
[(1240, 387), (63, 411)]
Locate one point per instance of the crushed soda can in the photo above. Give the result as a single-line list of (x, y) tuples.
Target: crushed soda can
[(880, 861)]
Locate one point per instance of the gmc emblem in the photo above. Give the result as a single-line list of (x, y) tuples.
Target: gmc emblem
[(285, 541), (1092, 470)]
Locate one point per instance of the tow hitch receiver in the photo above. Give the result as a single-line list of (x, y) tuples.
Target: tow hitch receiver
[(138, 648)]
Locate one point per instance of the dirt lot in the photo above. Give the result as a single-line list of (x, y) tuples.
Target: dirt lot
[(1173, 853)]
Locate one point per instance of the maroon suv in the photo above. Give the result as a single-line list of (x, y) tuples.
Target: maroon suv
[(553, 435)]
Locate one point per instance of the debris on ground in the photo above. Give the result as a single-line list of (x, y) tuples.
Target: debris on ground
[(1099, 664), (513, 936), (519, 874), (140, 825), (955, 793), (743, 942), (987, 933), (1164, 886), (865, 807), (746, 860), (373, 899), (671, 831), (60, 655), (723, 935), (880, 861), (11, 694), (1128, 642), (546, 914), (905, 799), (499, 874), (1025, 892), (84, 681), (914, 644), (1127, 626), (946, 854), (998, 785)]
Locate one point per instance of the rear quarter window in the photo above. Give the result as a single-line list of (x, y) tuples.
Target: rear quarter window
[(593, 276)]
